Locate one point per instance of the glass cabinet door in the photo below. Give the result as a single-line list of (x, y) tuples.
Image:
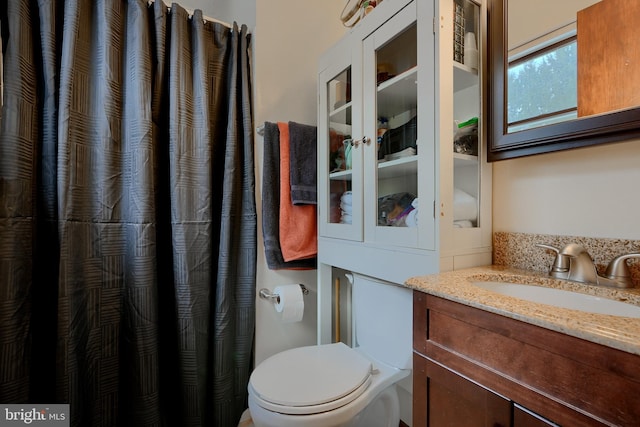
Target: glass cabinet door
[(340, 159), (390, 67), (466, 113)]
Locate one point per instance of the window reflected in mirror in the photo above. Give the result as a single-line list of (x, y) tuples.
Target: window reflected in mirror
[(570, 59), (543, 86)]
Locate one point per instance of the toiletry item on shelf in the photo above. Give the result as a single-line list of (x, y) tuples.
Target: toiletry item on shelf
[(398, 139), (470, 50), (394, 208), (384, 71), (383, 126), (336, 151), (465, 140), (348, 145), (458, 33), (407, 152)]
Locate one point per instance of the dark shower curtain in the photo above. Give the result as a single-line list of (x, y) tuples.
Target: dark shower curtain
[(127, 213)]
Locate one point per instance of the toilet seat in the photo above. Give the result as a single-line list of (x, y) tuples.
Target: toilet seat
[(309, 380)]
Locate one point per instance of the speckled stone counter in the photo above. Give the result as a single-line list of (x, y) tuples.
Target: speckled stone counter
[(622, 333)]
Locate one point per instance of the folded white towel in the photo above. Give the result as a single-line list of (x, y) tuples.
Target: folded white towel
[(465, 206), (412, 218), (464, 223), (347, 197), (346, 208), (346, 219)]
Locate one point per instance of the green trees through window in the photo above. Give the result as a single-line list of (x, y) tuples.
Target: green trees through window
[(542, 87)]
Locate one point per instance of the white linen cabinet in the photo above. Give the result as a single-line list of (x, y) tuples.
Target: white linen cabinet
[(389, 95)]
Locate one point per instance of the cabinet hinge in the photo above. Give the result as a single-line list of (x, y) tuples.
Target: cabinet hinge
[(435, 22), (434, 208)]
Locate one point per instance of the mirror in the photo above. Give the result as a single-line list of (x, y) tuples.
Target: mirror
[(570, 53)]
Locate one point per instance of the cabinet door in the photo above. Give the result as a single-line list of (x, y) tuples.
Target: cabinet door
[(466, 142), (449, 400), (392, 120), (523, 417), (340, 157), (465, 213)]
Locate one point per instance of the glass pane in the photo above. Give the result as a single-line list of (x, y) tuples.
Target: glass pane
[(397, 115), (340, 160)]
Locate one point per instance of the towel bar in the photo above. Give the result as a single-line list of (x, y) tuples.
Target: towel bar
[(275, 298)]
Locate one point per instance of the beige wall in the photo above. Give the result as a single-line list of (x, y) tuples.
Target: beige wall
[(288, 38), (241, 11), (591, 192), (290, 35)]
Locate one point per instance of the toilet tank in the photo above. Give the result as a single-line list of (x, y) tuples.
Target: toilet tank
[(383, 315)]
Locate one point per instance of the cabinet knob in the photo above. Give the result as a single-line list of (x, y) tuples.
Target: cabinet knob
[(364, 140)]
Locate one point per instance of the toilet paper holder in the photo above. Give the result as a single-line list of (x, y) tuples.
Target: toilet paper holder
[(275, 298)]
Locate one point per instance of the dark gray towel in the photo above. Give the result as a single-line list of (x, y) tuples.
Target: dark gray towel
[(303, 154), (271, 204)]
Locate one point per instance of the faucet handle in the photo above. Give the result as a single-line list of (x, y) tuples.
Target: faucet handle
[(561, 264), (551, 247), (619, 270)]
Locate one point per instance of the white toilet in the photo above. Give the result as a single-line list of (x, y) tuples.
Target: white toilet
[(335, 385)]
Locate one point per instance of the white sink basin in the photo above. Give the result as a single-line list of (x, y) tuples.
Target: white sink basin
[(562, 298)]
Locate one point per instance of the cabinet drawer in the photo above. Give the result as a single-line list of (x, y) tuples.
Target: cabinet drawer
[(567, 379)]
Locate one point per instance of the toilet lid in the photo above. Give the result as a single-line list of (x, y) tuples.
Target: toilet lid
[(302, 379)]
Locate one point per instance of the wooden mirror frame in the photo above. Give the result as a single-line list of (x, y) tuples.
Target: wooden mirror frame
[(576, 133)]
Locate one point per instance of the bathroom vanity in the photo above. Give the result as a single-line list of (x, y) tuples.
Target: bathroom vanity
[(485, 359)]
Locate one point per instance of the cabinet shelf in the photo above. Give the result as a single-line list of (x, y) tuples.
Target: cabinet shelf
[(341, 114), (398, 167), (464, 160), (345, 175), (398, 94), (464, 76)]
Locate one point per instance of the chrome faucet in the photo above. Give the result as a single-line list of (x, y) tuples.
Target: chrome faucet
[(573, 262)]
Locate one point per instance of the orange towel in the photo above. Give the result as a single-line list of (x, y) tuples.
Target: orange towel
[(298, 224)]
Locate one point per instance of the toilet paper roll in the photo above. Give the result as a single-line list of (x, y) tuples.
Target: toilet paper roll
[(291, 302)]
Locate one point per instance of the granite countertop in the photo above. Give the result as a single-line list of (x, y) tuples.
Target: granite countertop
[(622, 333)]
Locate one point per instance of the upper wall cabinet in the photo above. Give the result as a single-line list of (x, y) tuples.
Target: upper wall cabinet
[(563, 80), (402, 187), (369, 159)]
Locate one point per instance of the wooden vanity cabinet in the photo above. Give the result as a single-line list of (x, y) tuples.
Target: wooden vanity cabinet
[(476, 368)]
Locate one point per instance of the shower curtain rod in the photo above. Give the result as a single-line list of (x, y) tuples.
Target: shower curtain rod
[(190, 12)]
